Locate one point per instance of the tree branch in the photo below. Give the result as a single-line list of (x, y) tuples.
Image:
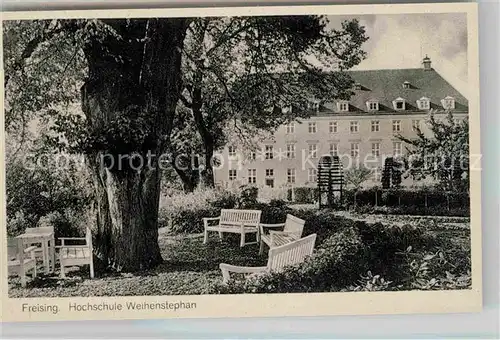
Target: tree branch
[(30, 49), (186, 102)]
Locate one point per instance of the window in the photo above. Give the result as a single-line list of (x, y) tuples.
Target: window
[(269, 172), (343, 106), (396, 146), (354, 126), (406, 85), (334, 149), (269, 152), (372, 105), (290, 151), (231, 150), (448, 103), (415, 125), (354, 149), (399, 104), (376, 149), (290, 175), (312, 127), (286, 109), (424, 103), (233, 174), (252, 176), (270, 182), (312, 175), (314, 105), (396, 125), (333, 127), (290, 127), (313, 150), (375, 126), (253, 155)]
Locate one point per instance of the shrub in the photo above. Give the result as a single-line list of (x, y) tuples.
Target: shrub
[(303, 195), (383, 243), (370, 283), (433, 271), (69, 223), (348, 254), (33, 193), (274, 212), (331, 266), (248, 197)]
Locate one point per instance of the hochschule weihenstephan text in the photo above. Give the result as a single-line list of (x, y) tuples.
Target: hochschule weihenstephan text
[(117, 306)]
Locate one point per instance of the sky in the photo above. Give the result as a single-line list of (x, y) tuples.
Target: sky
[(401, 41)]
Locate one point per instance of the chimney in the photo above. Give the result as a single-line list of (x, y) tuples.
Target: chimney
[(427, 63)]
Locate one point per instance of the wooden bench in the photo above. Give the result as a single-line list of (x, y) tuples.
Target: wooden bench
[(292, 230), (21, 259), (280, 257), (76, 255), (234, 221)]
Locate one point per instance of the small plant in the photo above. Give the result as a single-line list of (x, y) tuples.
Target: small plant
[(432, 271), (371, 283)]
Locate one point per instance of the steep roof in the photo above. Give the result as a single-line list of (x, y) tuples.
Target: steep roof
[(385, 86)]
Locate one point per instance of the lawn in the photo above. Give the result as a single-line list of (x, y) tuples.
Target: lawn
[(191, 267)]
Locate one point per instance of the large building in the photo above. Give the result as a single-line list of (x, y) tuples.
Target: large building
[(361, 130)]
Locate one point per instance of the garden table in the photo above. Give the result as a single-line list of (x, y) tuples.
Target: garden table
[(48, 247)]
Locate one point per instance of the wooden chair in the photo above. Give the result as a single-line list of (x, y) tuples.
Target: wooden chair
[(21, 259), (280, 257), (234, 221), (292, 230), (76, 255)]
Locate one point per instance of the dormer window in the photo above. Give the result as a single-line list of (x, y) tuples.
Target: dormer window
[(372, 105), (286, 109), (424, 103), (343, 106), (406, 85), (448, 103), (357, 86), (314, 105), (399, 104)]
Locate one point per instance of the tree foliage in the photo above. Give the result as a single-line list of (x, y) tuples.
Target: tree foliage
[(246, 74), (443, 155), (356, 176), (127, 75)]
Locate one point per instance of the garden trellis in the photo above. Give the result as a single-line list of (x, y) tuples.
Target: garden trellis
[(330, 181)]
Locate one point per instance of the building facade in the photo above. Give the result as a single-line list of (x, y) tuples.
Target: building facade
[(361, 131)]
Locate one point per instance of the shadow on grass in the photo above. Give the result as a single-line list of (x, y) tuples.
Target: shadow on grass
[(190, 254)]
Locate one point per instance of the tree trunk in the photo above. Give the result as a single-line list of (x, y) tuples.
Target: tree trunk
[(129, 100), (207, 174), (188, 176)]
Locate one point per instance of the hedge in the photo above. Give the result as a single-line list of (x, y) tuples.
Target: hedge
[(400, 197)]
